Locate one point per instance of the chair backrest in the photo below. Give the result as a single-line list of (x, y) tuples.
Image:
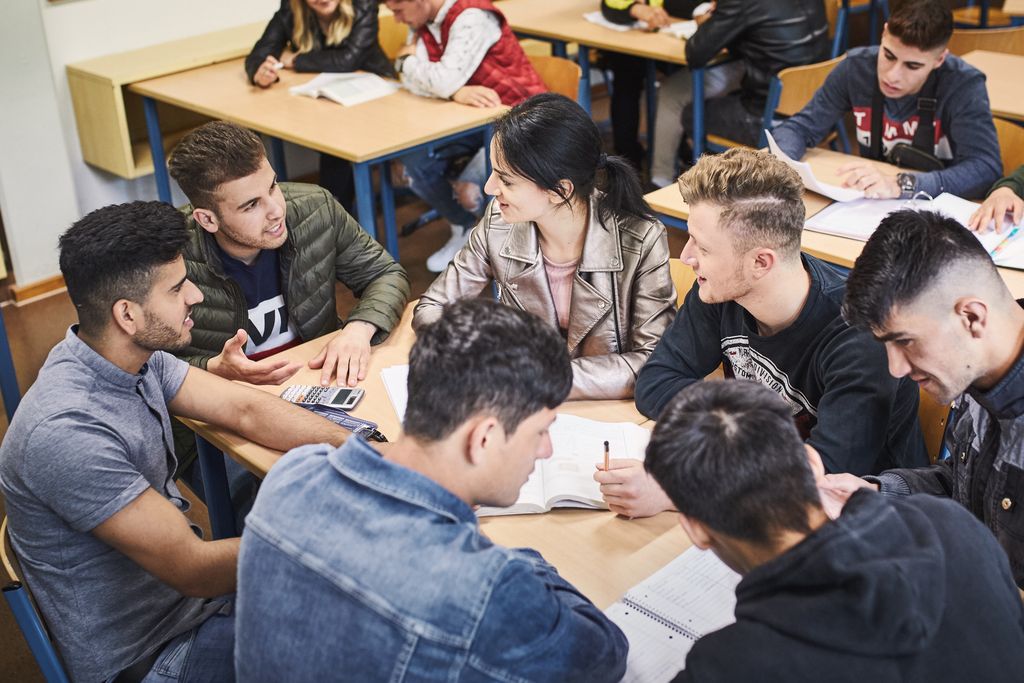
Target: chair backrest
[(683, 278), (932, 416), (1008, 40), (559, 74), (799, 83), (25, 614), (1011, 144), (391, 33)]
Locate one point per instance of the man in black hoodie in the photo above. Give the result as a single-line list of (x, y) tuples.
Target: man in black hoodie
[(893, 589)]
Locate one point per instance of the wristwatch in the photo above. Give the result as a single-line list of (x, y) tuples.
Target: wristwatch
[(908, 185)]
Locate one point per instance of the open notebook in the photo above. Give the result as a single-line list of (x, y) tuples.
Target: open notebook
[(664, 615), (347, 89), (566, 479), (859, 218)]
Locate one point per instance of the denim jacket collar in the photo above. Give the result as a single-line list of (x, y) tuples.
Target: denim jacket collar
[(1006, 399), (357, 460)]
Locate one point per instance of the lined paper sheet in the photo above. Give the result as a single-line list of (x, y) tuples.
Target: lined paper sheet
[(396, 381), (664, 615)]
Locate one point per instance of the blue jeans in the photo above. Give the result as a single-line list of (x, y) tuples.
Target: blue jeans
[(203, 655), (427, 171)]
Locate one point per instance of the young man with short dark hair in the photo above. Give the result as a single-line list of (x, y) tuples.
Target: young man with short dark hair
[(768, 313), (900, 83), (371, 558), (927, 289), (907, 589), (125, 583)]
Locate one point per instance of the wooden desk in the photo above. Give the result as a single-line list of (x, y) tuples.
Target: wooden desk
[(1002, 79), (1015, 8), (602, 554), (563, 22), (367, 134), (841, 251), (111, 127)]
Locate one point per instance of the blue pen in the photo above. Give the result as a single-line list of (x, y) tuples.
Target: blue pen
[(1005, 241)]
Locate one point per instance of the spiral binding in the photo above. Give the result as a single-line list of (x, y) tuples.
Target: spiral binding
[(661, 619)]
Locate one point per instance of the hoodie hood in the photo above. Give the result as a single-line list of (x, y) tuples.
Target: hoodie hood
[(871, 582)]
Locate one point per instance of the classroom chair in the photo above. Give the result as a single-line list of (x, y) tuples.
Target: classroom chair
[(838, 13), (29, 621), (683, 278), (982, 15), (788, 93), (559, 74), (1011, 144), (390, 33), (1007, 40)]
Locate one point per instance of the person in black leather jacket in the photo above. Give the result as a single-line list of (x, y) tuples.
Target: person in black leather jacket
[(314, 36), (762, 37), (629, 73)]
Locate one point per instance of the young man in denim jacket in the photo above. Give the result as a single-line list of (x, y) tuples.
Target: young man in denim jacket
[(367, 563)]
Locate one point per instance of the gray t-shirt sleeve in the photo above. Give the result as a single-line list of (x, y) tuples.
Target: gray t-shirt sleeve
[(171, 371), (83, 494)]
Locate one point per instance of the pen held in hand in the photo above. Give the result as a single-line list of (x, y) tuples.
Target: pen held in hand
[(607, 458)]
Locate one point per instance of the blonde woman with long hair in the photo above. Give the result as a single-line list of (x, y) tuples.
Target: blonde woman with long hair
[(316, 36)]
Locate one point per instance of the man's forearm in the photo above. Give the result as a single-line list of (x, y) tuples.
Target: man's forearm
[(213, 568), (275, 423)]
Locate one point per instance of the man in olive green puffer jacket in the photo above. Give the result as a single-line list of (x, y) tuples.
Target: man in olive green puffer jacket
[(266, 257)]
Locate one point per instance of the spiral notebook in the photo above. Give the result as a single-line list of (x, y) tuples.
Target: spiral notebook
[(664, 615)]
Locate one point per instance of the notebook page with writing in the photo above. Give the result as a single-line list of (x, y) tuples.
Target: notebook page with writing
[(664, 615)]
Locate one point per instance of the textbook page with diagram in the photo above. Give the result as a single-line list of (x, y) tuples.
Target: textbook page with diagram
[(566, 479), (664, 615), (347, 89)]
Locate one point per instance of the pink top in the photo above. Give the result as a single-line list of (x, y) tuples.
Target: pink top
[(560, 281)]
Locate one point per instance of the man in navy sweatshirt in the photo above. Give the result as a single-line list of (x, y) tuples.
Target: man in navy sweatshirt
[(767, 313), (892, 589), (911, 60)]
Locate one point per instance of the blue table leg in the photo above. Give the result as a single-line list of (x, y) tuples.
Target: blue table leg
[(583, 59), (839, 39), (488, 136), (156, 146), (8, 378), (558, 48), (873, 23), (698, 113), (387, 205), (215, 486), (364, 197), (280, 166), (651, 90)]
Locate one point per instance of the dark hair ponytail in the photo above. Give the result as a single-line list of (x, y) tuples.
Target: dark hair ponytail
[(549, 138)]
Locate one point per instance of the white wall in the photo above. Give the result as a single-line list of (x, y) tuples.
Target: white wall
[(44, 184)]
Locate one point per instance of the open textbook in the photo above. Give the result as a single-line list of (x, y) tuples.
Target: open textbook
[(834, 192), (347, 89), (679, 29), (664, 615), (566, 479), (858, 220)]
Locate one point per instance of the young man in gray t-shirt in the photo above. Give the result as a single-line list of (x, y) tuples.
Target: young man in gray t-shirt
[(125, 583)]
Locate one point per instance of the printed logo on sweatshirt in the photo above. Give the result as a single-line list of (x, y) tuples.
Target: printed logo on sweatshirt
[(895, 132), (747, 363), (269, 328)]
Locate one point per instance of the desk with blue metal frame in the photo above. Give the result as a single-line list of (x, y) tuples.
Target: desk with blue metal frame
[(369, 134)]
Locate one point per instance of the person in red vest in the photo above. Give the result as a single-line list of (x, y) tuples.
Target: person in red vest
[(463, 50)]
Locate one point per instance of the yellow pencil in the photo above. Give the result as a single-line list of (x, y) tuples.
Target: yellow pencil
[(607, 461)]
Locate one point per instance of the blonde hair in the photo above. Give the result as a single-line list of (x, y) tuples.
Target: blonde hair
[(760, 196), (305, 21)]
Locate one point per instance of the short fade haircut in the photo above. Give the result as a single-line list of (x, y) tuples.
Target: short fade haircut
[(112, 254), (483, 357), (211, 155), (761, 198), (907, 255), (713, 450), (924, 24)]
